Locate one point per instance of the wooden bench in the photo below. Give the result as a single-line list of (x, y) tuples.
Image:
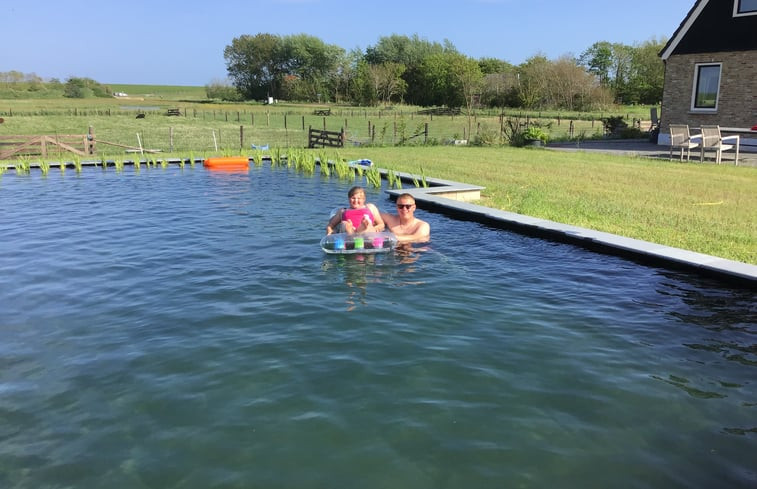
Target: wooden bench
[(322, 112), (173, 112)]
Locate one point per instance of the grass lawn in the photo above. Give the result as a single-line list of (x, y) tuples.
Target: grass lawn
[(705, 208), (711, 209)]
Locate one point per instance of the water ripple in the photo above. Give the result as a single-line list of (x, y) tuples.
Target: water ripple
[(182, 329)]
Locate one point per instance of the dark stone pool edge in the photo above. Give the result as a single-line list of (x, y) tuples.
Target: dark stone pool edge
[(451, 198)]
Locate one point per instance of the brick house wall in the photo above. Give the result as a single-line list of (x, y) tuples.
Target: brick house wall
[(737, 103)]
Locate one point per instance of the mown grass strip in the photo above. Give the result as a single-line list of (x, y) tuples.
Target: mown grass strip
[(706, 208)]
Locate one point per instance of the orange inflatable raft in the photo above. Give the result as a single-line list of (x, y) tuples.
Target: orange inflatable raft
[(228, 163)]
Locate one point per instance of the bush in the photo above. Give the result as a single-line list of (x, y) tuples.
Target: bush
[(220, 91), (534, 133)]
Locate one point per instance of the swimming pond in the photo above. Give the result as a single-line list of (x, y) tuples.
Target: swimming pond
[(183, 328)]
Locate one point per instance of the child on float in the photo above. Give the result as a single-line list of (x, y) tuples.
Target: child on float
[(358, 218)]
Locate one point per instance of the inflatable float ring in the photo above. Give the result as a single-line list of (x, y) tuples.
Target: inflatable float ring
[(343, 243)]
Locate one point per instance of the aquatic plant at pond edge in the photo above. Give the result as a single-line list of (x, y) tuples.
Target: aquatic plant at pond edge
[(393, 179), (77, 163), (373, 176), (23, 166), (343, 170), (44, 167), (119, 164), (258, 158)]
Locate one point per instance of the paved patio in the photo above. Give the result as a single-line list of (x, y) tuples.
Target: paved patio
[(643, 148)]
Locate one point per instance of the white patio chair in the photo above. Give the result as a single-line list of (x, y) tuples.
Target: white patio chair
[(681, 139), (712, 140)]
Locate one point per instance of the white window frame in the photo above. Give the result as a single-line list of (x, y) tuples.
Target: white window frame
[(736, 12), (694, 108)]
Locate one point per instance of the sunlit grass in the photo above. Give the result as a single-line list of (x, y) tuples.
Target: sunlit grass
[(705, 208), (711, 209)]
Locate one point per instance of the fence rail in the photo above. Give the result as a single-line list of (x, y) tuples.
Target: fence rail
[(321, 139), (41, 145)]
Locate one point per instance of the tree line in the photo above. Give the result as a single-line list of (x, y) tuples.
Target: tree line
[(403, 69), (73, 87)]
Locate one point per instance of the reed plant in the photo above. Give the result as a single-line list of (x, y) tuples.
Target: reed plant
[(308, 163), (23, 166), (325, 170), (322, 158), (44, 167), (342, 170), (77, 163), (373, 176), (393, 180), (259, 157), (119, 164)]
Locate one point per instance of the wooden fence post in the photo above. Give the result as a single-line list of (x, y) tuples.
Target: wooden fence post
[(241, 136), (90, 149)]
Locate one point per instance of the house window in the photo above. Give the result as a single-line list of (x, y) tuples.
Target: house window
[(706, 87), (744, 7)]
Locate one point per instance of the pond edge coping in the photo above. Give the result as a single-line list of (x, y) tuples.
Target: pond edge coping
[(453, 198)]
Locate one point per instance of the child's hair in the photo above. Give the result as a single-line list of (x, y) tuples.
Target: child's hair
[(355, 190)]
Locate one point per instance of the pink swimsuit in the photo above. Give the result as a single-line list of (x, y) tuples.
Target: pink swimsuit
[(355, 216)]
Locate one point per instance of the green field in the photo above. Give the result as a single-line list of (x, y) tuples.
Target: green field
[(706, 208), (165, 92)]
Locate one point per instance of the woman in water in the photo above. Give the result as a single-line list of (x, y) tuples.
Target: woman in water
[(358, 218)]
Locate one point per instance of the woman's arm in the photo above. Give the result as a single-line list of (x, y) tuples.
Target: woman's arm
[(334, 221), (378, 223)]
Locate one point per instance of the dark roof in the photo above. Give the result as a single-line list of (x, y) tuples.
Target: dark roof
[(711, 27)]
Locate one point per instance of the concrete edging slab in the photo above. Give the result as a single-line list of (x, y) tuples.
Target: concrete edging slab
[(433, 198)]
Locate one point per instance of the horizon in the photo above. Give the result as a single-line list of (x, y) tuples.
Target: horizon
[(181, 44)]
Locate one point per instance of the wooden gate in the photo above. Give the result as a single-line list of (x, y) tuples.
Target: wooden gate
[(41, 145), (322, 139)]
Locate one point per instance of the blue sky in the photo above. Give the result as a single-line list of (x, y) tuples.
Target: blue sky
[(181, 43)]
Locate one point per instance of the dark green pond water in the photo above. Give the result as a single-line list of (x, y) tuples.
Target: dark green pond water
[(183, 329)]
